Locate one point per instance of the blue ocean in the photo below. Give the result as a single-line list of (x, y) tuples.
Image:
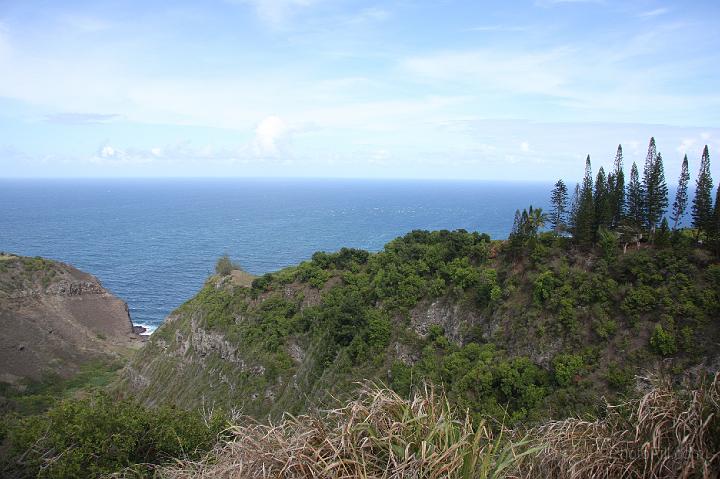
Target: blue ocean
[(154, 242)]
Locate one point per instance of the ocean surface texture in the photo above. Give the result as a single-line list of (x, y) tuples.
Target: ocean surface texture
[(154, 242)]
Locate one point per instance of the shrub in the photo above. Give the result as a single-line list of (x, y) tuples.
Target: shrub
[(543, 287), (618, 377), (225, 266), (566, 367), (605, 327), (663, 342), (100, 435), (639, 300)]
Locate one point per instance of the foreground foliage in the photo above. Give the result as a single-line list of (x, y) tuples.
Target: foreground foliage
[(97, 435), (377, 435), (664, 434)]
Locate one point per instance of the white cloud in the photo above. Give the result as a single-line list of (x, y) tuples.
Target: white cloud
[(271, 136), (109, 155), (379, 157), (525, 146), (685, 145)]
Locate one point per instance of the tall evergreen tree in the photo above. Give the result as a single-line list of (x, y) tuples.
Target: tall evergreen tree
[(702, 203), (516, 238), (585, 220), (714, 226), (616, 186), (634, 199), (602, 201), (656, 193), (559, 202), (649, 161), (681, 197), (574, 207)]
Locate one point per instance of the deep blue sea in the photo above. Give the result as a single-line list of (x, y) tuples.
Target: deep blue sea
[(154, 242)]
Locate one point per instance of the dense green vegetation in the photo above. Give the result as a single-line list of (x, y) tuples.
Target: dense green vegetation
[(98, 434), (34, 397), (528, 329)]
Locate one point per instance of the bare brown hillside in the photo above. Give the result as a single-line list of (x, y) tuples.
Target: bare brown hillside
[(54, 318)]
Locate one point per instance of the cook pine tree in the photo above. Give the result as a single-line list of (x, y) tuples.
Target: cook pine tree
[(585, 217), (559, 207), (616, 189), (655, 189), (702, 203), (681, 196)]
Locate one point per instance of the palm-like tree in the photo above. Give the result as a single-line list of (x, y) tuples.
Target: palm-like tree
[(536, 219)]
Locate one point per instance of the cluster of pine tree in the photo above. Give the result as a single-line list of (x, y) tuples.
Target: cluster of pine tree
[(636, 210)]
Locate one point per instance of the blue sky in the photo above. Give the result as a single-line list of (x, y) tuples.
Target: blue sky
[(334, 88)]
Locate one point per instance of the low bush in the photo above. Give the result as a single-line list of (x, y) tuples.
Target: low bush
[(99, 435)]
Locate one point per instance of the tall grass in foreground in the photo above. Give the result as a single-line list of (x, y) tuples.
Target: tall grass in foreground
[(664, 434), (379, 435)]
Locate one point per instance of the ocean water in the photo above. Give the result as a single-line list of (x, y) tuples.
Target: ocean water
[(154, 242)]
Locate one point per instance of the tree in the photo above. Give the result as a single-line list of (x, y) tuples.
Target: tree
[(559, 202), (225, 266), (681, 198), (574, 207), (525, 227), (535, 220), (602, 202), (654, 187), (662, 235), (516, 239), (616, 187), (657, 194), (702, 203), (585, 218), (634, 199), (714, 226)]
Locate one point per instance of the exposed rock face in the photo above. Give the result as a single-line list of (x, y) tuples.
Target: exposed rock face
[(450, 315), (54, 318)]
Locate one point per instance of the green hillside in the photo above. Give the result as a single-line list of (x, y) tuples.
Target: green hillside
[(540, 330)]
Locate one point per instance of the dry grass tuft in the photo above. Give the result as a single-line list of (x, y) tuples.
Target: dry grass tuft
[(379, 435), (664, 434)]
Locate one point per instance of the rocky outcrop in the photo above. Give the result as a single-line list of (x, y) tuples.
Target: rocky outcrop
[(55, 318)]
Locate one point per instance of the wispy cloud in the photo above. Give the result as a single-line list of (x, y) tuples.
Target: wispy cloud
[(654, 13), (550, 3), (354, 83), (497, 28), (84, 23), (70, 118), (277, 12), (521, 72)]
